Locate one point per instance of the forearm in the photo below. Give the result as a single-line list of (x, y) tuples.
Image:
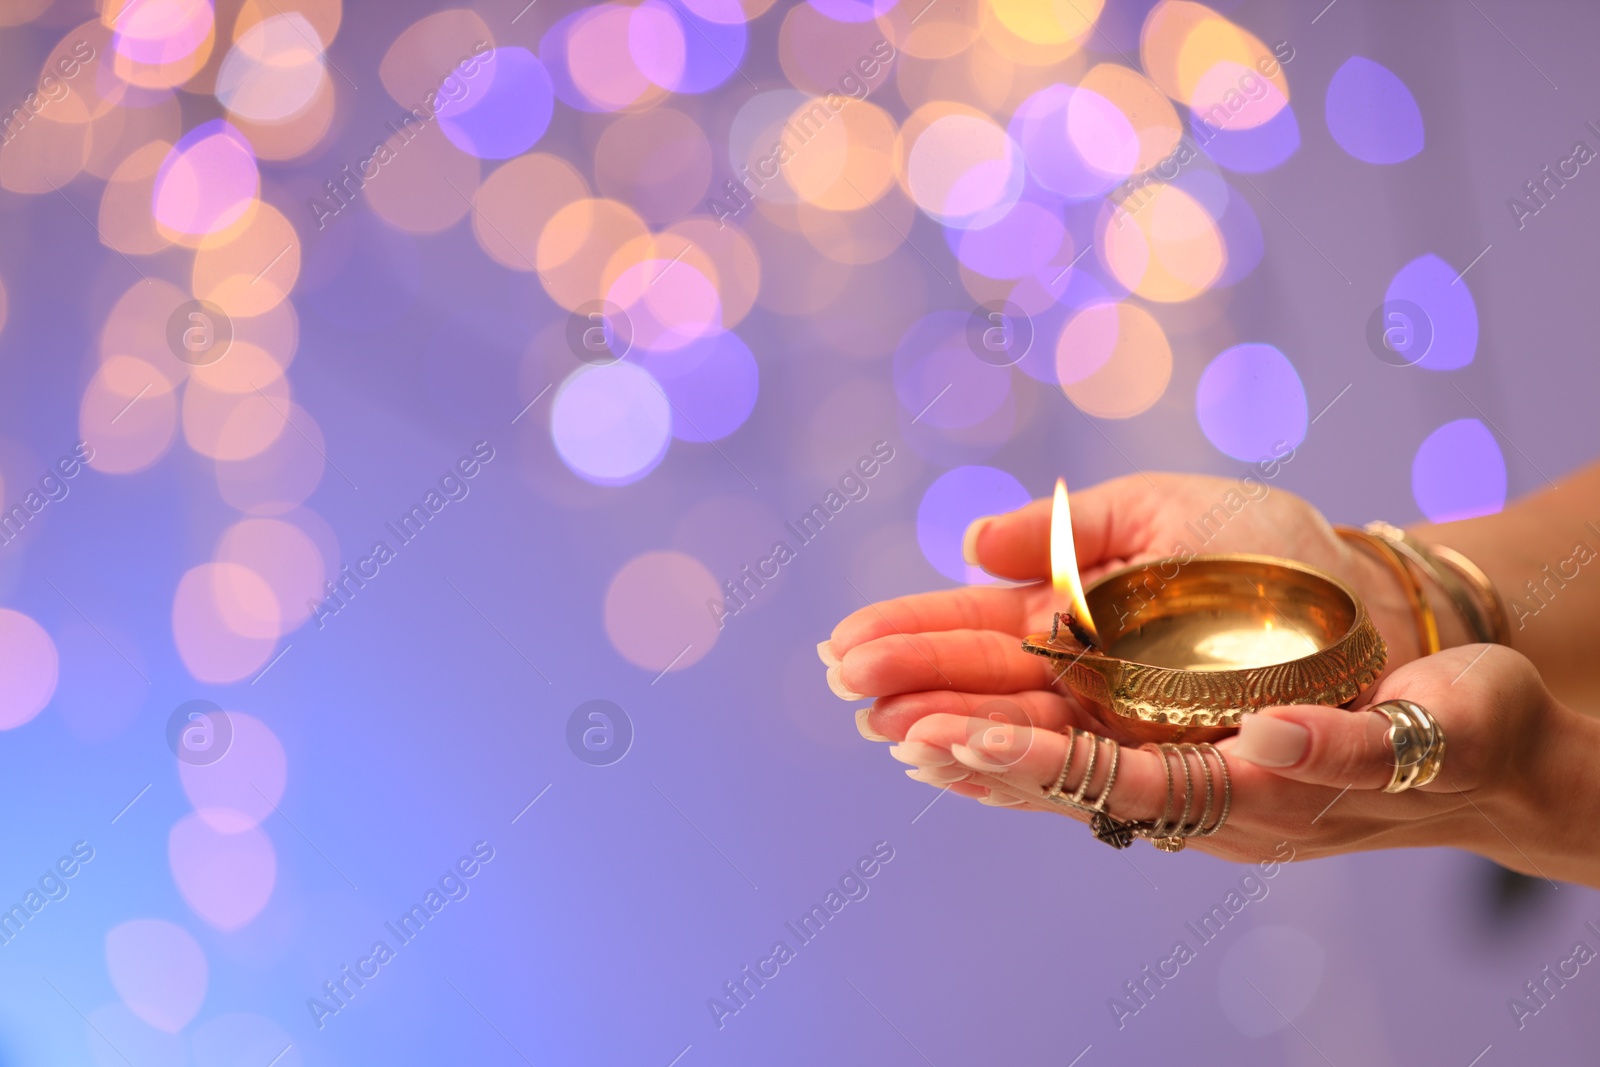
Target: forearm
[(1537, 553)]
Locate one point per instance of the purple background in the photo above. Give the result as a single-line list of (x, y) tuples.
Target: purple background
[(623, 900)]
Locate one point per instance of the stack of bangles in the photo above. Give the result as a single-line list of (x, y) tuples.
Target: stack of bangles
[(1415, 736), (1462, 580)]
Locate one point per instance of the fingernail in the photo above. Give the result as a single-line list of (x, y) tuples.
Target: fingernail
[(968, 756), (1270, 742), (825, 653), (940, 776), (997, 800), (864, 726), (1000, 745), (969, 540), (919, 754), (840, 690)]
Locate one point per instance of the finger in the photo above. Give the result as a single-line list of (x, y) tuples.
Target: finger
[(893, 716), (999, 799), (969, 789), (1317, 745), (973, 608), (1109, 521), (980, 786), (964, 660), (1029, 761), (1004, 794), (935, 766), (1001, 795)]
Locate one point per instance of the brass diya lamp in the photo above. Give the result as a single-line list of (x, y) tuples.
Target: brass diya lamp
[(1181, 649)]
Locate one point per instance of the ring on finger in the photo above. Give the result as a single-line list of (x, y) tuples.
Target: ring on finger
[(1170, 834), (1113, 831), (1417, 741), (1171, 831)]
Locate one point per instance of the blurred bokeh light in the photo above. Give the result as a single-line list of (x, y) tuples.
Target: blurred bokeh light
[(402, 378)]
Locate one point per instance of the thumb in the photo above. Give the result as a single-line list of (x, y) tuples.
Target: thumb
[(1108, 522), (1317, 745)]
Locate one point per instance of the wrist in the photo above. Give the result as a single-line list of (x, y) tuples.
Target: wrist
[(1412, 575), (1468, 607), (1539, 818), (1389, 604), (1453, 631)]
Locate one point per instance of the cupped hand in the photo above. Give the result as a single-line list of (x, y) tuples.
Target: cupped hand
[(1313, 777), (1515, 783), (1144, 517), (950, 651), (975, 714)]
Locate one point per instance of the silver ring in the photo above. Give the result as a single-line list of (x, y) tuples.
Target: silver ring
[(1170, 833), (1227, 790), (1066, 766)]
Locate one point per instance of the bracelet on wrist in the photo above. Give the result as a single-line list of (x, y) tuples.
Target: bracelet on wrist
[(1497, 620), (1467, 587), (1421, 610)]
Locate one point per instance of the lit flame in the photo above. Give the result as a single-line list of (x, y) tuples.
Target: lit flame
[(1064, 561)]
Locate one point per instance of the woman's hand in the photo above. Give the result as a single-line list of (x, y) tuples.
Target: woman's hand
[(1145, 517), (978, 715), (953, 650), (1515, 784)]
